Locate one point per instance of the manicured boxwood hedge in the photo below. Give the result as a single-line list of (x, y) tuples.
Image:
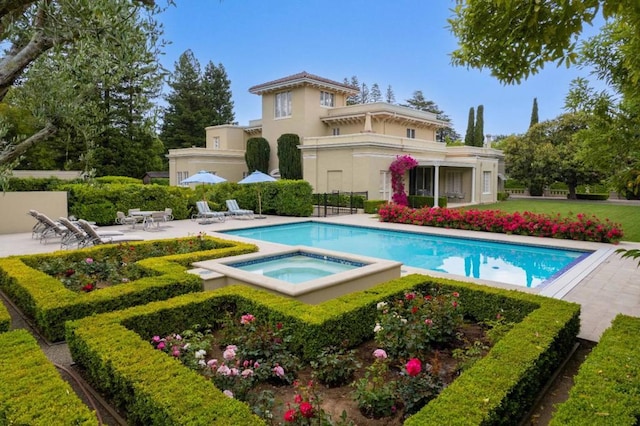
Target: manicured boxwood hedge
[(371, 206), (31, 390), (114, 350), (5, 318), (607, 387), (49, 304)]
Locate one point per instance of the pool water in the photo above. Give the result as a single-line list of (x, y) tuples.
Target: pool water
[(297, 268), (517, 264)]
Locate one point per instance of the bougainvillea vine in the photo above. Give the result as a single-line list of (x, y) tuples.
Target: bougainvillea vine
[(398, 168)]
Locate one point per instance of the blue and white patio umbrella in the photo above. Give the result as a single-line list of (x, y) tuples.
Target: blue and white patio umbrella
[(204, 177), (258, 177)]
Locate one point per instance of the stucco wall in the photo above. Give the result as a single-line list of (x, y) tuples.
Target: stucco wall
[(15, 205)]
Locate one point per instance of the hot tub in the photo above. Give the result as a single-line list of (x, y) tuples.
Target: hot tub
[(307, 274)]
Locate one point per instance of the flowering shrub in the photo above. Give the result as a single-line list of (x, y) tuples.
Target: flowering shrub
[(398, 168), (417, 386), (190, 347), (92, 272), (264, 344), (407, 327), (87, 274), (374, 393), (582, 228), (335, 366), (307, 408)]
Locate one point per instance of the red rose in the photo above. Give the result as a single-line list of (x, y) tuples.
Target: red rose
[(290, 416), (306, 409), (414, 367), (410, 296), (297, 399)]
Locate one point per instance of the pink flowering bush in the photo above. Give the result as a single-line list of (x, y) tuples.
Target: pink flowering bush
[(398, 168), (407, 327), (263, 343), (581, 228)]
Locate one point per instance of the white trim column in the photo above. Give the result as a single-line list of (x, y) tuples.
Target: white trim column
[(436, 184), (473, 185)]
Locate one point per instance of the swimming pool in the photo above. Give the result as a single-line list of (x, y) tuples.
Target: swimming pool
[(297, 267), (517, 264)]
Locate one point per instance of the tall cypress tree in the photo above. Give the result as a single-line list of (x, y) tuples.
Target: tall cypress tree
[(478, 131), (534, 113), (257, 155), (468, 137), (289, 156)]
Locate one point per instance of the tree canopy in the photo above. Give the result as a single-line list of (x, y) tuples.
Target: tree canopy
[(197, 100), (419, 102), (69, 31), (516, 38), (550, 152)]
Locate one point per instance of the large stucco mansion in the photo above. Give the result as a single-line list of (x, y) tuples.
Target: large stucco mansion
[(347, 148)]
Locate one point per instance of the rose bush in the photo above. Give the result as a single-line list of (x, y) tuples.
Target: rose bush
[(582, 227)]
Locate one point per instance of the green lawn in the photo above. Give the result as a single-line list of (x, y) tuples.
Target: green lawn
[(626, 215)]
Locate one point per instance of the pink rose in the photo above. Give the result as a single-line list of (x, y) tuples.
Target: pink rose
[(278, 371), (380, 354), (246, 319)]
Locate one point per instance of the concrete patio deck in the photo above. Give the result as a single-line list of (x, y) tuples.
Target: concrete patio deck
[(604, 289)]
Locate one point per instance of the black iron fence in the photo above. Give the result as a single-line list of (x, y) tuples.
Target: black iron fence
[(337, 203)]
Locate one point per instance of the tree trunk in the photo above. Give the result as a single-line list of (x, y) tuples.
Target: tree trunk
[(572, 192)]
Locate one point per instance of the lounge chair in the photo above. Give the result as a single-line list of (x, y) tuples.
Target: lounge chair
[(235, 210), (75, 236), (168, 214), (38, 227), (122, 219), (95, 239), (49, 228), (205, 214)]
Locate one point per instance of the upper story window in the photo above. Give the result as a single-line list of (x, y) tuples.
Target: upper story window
[(326, 99), (216, 142), (336, 131), (283, 104), (411, 133)]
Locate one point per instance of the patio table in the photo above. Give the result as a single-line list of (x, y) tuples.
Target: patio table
[(146, 216)]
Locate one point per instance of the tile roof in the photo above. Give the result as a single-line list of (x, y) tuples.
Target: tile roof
[(300, 79)]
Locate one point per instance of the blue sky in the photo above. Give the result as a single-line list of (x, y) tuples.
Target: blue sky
[(402, 43)]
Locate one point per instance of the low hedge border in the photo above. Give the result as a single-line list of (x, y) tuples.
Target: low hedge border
[(606, 389), (114, 349), (49, 304), (31, 390), (5, 318)]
